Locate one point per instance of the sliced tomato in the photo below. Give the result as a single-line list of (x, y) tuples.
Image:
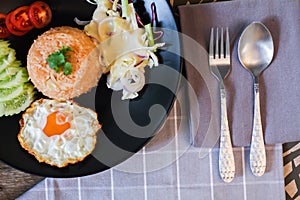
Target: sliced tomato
[(12, 29), (20, 19), (39, 14), (4, 32)]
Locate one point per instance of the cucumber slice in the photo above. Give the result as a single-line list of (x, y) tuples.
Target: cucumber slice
[(15, 80), (10, 71), (7, 60), (4, 46), (16, 93), (17, 104), (10, 93)]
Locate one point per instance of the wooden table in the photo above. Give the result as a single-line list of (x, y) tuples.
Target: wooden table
[(13, 182)]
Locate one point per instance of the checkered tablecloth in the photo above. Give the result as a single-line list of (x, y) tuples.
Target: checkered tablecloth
[(187, 178), (170, 168)]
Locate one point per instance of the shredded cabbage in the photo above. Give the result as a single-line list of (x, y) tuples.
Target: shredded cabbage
[(125, 49)]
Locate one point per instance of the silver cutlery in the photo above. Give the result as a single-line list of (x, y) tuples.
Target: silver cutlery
[(219, 63), (255, 52)]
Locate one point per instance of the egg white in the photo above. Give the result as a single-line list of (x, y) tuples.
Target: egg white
[(71, 146)]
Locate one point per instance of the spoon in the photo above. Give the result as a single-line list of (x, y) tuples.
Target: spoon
[(255, 52)]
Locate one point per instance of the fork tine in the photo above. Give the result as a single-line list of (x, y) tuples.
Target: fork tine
[(217, 44), (227, 55), (222, 44), (211, 44)]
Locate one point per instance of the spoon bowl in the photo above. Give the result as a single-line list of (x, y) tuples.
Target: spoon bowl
[(255, 52), (256, 48)]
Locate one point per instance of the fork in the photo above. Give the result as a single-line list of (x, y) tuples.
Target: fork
[(219, 63)]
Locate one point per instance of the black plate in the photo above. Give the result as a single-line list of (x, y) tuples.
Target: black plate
[(127, 125)]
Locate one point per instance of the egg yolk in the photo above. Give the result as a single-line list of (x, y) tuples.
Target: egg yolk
[(56, 124)]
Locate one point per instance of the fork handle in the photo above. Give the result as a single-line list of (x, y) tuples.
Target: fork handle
[(226, 158), (257, 148)]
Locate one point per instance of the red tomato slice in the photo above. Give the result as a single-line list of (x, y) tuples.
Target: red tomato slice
[(4, 32), (20, 19), (39, 14), (12, 28)]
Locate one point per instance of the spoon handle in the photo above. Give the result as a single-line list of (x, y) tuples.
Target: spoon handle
[(226, 158), (257, 148)]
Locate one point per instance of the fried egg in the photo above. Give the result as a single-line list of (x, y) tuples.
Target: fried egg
[(58, 133)]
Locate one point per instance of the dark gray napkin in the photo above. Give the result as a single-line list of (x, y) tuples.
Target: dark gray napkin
[(279, 83)]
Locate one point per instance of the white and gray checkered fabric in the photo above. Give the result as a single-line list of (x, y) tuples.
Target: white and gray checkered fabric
[(169, 168)]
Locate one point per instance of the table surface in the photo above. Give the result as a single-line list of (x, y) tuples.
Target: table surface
[(13, 182)]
